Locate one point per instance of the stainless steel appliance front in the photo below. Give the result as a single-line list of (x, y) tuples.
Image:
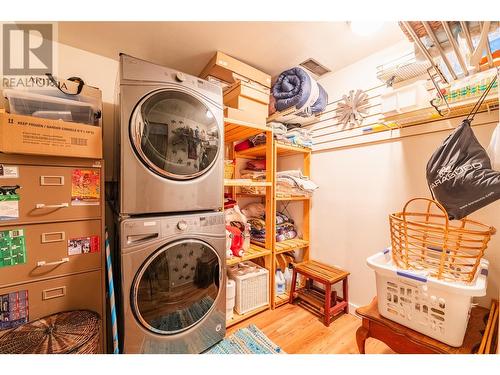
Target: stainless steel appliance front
[(173, 283)]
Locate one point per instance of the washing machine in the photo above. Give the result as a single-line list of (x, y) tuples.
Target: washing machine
[(173, 293), (171, 140)]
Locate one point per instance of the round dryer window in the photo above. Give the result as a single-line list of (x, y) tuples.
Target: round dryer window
[(175, 134), (176, 287)]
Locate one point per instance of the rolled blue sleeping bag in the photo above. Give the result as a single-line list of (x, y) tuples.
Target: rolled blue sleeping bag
[(295, 87)]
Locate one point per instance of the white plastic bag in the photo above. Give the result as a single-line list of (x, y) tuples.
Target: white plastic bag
[(494, 149)]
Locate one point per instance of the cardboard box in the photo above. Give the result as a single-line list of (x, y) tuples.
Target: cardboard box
[(37, 136), (248, 105), (237, 114), (229, 69), (216, 81), (244, 89)]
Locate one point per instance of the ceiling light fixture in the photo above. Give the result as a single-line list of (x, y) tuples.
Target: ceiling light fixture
[(365, 28)]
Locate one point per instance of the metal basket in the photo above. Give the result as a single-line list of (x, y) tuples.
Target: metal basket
[(426, 240)]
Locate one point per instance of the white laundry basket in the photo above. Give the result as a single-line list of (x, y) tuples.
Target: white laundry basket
[(252, 285), (436, 308)]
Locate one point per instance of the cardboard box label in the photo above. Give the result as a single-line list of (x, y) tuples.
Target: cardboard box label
[(14, 309), (84, 245), (12, 247), (9, 206), (38, 136), (85, 187), (9, 171)]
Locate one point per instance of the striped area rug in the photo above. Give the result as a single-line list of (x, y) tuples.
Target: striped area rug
[(250, 340)]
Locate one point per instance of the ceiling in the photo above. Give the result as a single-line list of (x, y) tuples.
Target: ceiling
[(269, 46)]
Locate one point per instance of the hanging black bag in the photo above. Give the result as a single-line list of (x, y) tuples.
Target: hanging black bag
[(459, 173)]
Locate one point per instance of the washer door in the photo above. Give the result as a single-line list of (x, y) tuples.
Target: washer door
[(174, 134), (176, 287)]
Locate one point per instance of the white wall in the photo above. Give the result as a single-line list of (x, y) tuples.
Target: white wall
[(361, 185), (97, 71)]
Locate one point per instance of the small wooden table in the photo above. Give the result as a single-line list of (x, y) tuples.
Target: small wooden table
[(404, 340), (318, 299)]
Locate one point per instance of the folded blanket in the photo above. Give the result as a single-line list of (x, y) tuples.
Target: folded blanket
[(253, 190), (284, 228), (294, 178), (258, 139), (253, 175), (286, 236), (254, 210), (296, 87), (257, 224), (284, 191), (282, 218), (256, 165), (278, 128), (300, 137)]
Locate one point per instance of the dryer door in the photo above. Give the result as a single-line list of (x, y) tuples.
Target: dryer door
[(175, 134), (176, 287)]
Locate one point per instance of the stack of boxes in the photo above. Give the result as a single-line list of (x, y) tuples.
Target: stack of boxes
[(246, 89), (51, 210)]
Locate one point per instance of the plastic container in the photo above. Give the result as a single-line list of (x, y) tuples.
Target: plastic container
[(405, 99), (23, 102), (439, 309), (230, 298), (288, 277), (280, 282), (252, 285)]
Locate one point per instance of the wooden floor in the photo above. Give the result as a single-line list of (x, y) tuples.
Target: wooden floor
[(298, 331)]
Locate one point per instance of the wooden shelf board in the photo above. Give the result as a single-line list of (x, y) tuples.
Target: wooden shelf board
[(248, 195), (289, 245), (283, 149), (245, 182), (253, 252), (289, 115), (292, 198), (281, 299), (238, 318), (235, 130), (252, 152)]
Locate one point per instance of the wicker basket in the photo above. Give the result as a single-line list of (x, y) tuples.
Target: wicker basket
[(71, 332), (427, 240)]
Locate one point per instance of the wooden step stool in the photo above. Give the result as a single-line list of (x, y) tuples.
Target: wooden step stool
[(321, 301)]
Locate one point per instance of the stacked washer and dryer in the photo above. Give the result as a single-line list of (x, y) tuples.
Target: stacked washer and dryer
[(171, 222)]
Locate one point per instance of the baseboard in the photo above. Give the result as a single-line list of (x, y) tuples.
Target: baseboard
[(352, 309)]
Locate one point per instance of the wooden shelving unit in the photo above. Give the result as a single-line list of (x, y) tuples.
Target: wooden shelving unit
[(304, 155), (236, 131), (271, 151)]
